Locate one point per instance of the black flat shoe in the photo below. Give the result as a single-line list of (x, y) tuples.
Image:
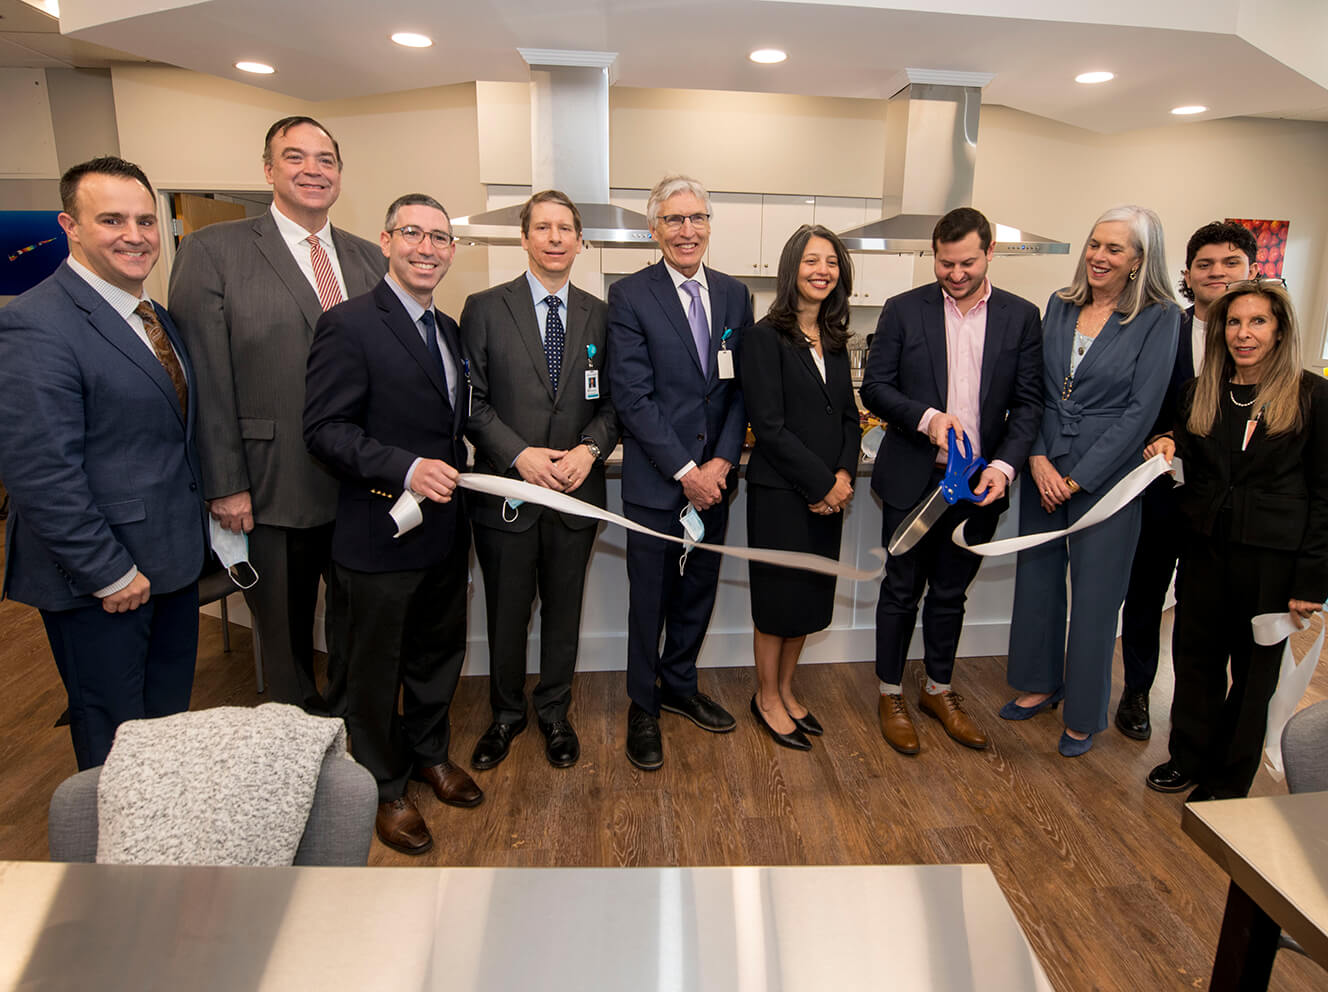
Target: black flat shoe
[(808, 724), (795, 740), (494, 743), (1166, 777), (1132, 715)]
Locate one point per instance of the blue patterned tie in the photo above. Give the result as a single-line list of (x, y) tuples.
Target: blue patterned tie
[(696, 318), (554, 339)]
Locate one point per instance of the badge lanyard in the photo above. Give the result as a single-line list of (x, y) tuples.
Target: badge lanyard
[(592, 374)]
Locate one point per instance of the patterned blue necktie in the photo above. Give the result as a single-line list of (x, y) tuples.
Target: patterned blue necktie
[(696, 319), (554, 339)]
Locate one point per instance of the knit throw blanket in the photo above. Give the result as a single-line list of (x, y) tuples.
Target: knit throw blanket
[(225, 786)]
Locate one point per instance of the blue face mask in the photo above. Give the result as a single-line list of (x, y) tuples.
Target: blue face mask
[(232, 550)]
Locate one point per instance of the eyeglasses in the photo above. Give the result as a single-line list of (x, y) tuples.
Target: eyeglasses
[(414, 235), (674, 222)]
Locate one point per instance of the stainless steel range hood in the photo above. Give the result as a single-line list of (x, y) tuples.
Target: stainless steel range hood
[(931, 143), (569, 137)]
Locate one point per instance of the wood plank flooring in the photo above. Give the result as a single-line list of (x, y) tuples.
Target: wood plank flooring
[(1110, 892)]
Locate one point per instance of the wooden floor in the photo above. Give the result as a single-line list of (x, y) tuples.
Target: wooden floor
[(1109, 891)]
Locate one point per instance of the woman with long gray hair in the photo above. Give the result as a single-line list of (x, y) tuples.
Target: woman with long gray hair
[(1108, 343)]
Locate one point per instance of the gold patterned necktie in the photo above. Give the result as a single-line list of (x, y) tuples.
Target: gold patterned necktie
[(161, 347)]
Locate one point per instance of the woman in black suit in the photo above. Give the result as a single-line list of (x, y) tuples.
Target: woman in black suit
[(799, 394), (1253, 439)]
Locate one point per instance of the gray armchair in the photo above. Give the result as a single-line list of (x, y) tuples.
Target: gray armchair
[(338, 832), (1305, 749)]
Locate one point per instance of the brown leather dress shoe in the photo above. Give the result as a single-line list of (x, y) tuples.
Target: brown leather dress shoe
[(944, 706), (451, 784), (401, 827), (897, 726)]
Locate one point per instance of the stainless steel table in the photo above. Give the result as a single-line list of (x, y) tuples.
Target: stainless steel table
[(843, 928), (1276, 851)]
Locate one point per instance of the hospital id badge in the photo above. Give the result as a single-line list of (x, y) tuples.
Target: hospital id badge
[(724, 363), (592, 384)]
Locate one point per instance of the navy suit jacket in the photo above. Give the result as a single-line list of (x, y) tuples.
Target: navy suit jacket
[(375, 400), (672, 412), (907, 372), (1097, 434), (99, 462)]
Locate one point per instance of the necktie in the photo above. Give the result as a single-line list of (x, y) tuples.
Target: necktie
[(431, 341), (554, 339), (697, 319), (329, 291), (161, 347)]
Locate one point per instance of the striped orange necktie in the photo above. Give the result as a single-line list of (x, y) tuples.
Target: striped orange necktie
[(329, 291)]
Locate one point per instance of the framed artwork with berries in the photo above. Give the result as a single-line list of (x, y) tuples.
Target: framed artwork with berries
[(1271, 236)]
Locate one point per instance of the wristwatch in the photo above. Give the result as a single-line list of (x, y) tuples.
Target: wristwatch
[(590, 444)]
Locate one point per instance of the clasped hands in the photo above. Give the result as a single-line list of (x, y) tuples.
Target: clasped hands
[(561, 471), (837, 498), (704, 485)]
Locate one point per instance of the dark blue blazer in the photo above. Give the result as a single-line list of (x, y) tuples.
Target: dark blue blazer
[(99, 462), (375, 400), (907, 372), (1097, 434), (671, 411)]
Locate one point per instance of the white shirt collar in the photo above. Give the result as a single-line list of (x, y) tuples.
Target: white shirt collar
[(678, 278), (293, 234), (121, 302)]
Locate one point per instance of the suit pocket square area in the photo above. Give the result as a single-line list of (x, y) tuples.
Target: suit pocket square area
[(257, 429), (127, 511)]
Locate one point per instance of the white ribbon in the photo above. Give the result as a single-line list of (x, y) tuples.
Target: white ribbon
[(407, 515), (1292, 680), (1113, 502)]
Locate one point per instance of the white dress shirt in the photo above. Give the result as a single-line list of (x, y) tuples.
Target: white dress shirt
[(297, 240)]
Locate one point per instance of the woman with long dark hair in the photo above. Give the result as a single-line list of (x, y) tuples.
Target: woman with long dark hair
[(799, 393), (1253, 439)]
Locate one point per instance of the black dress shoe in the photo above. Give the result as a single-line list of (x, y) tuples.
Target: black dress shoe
[(494, 743), (808, 724), (560, 743), (795, 738), (1166, 777), (644, 747), (701, 710), (1132, 715)]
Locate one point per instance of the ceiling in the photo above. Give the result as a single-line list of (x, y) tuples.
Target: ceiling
[(1238, 57)]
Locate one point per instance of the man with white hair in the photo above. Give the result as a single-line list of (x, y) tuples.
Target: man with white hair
[(674, 330)]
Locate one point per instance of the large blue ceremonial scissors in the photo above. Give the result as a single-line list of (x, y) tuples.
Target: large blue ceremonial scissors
[(956, 485)]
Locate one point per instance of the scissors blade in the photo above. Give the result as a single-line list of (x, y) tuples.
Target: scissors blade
[(917, 523)]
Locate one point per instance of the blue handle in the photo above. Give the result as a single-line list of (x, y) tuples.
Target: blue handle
[(959, 469)]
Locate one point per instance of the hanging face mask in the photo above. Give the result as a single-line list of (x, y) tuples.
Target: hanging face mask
[(693, 531), (511, 504), (232, 551)]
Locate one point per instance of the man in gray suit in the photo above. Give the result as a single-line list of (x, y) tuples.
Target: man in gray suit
[(246, 295), (540, 412)]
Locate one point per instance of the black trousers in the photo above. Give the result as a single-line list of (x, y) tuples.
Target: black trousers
[(660, 601), (399, 632), (1160, 537), (1217, 730), (551, 558), (284, 602), (123, 666), (946, 571)]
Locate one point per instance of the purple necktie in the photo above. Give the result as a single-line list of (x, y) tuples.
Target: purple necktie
[(697, 319)]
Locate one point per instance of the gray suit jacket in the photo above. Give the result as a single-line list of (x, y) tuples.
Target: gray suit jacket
[(247, 314), (512, 399)]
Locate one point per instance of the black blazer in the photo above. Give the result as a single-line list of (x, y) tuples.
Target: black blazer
[(513, 404), (806, 428), (1277, 488), (374, 402), (907, 372)]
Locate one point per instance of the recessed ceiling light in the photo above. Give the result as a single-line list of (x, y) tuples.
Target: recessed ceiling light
[(1186, 111), (768, 56), (261, 68), (1089, 78), (409, 39)]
